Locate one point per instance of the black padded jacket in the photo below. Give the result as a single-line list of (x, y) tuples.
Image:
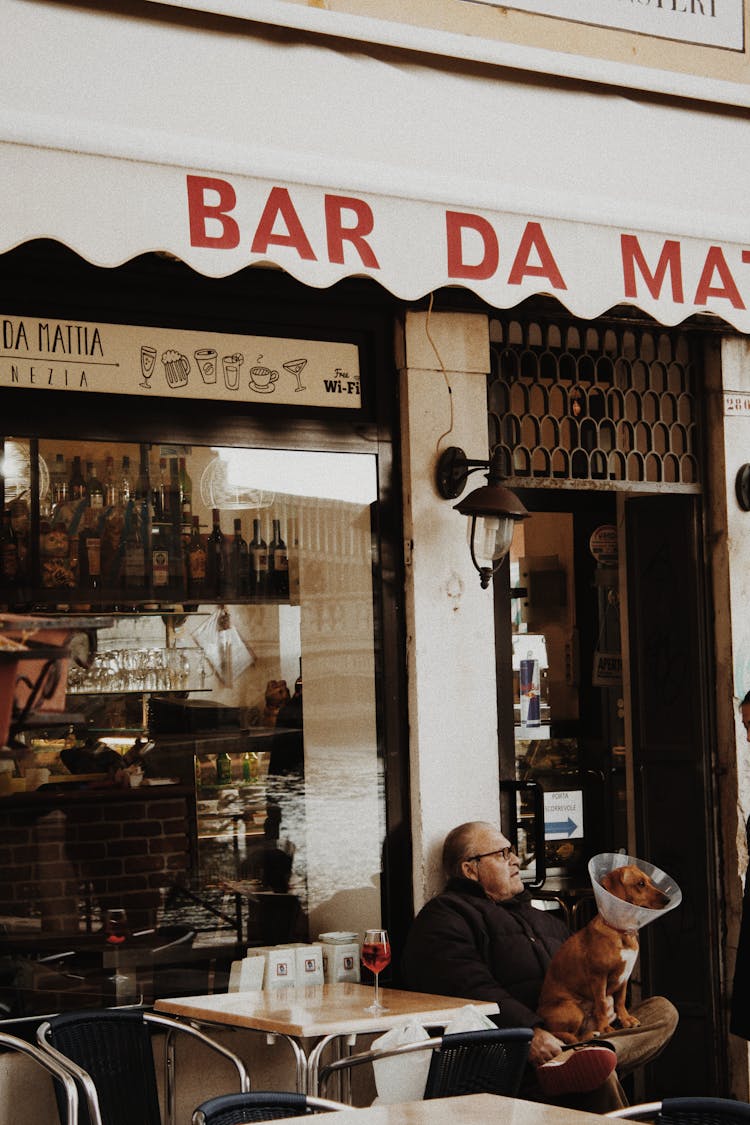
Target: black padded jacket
[(463, 944)]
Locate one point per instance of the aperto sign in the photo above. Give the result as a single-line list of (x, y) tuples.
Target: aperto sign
[(711, 23), (48, 354)]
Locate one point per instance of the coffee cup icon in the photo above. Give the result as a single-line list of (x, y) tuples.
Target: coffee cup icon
[(262, 379), (176, 368), (231, 365), (206, 358)]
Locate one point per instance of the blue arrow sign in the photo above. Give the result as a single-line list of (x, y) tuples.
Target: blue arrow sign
[(560, 827)]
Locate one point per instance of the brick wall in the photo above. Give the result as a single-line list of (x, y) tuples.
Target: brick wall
[(113, 848)]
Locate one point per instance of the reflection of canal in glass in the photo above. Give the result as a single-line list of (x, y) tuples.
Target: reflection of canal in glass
[(332, 828)]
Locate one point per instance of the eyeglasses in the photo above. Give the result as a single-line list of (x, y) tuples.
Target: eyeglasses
[(504, 853)]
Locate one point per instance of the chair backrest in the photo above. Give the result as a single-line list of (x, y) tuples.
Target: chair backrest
[(65, 1087), (113, 1049), (479, 1062), (703, 1111), (263, 1105), (688, 1111)]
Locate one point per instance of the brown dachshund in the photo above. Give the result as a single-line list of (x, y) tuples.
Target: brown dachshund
[(594, 965)]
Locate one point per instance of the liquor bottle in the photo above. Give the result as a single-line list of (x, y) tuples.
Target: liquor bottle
[(258, 562), (8, 555), (278, 564), (239, 571), (90, 551), (215, 558), (126, 481), (77, 484), (160, 558), (196, 563), (223, 769), (247, 767), (110, 485), (133, 573), (159, 504), (58, 475), (94, 488), (186, 499)]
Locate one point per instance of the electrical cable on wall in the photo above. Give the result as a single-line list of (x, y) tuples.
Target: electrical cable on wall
[(442, 368)]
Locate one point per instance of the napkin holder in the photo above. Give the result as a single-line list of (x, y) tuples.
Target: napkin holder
[(340, 961)]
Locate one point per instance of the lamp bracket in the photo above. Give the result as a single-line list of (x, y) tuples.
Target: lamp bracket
[(453, 469)]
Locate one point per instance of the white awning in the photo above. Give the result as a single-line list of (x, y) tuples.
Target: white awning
[(228, 144)]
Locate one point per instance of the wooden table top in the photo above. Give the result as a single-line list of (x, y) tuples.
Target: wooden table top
[(322, 1009), (471, 1109)]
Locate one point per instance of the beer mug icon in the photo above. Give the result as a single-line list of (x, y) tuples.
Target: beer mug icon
[(176, 368)]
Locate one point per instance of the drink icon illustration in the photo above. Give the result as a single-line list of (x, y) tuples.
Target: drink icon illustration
[(176, 368), (296, 367), (262, 380), (207, 361), (231, 365), (148, 361)]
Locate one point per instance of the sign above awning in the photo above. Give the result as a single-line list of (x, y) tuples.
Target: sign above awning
[(330, 164)]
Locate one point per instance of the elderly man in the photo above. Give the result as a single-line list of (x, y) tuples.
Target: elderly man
[(481, 938)]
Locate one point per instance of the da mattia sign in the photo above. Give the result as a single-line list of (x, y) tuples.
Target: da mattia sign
[(712, 23), (127, 359)]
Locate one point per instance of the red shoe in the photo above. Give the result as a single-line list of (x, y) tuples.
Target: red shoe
[(578, 1069)]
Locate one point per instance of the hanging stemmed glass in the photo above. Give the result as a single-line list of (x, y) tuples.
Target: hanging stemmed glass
[(375, 955)]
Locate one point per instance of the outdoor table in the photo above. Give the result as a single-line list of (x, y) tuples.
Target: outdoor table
[(323, 1012), (469, 1109)]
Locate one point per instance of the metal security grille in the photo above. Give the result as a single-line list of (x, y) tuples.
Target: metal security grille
[(572, 402)]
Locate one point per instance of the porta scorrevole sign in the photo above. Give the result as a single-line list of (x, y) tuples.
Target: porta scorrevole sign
[(503, 257)]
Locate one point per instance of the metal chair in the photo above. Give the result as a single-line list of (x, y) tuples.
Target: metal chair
[(109, 1054), (264, 1105), (490, 1061), (66, 1092), (688, 1111)]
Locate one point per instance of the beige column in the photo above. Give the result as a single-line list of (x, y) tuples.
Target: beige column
[(443, 361)]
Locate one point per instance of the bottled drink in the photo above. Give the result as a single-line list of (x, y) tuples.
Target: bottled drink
[(223, 769), (126, 481), (8, 553), (258, 549), (59, 480), (94, 488), (196, 563), (278, 564), (77, 484), (215, 558), (110, 485), (160, 558), (240, 566), (90, 551), (134, 560), (247, 767), (159, 505), (186, 499)]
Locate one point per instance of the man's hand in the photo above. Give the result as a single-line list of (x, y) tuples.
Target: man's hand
[(544, 1046)]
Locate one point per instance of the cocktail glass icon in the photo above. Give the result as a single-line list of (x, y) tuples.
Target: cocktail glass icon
[(148, 359), (295, 367)]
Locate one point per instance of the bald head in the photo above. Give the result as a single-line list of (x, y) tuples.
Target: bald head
[(460, 843)]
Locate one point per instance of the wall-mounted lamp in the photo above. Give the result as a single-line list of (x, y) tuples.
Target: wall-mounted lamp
[(493, 509), (742, 487)]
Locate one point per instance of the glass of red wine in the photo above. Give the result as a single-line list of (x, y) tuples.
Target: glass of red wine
[(376, 954)]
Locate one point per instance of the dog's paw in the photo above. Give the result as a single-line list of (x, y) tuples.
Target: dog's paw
[(626, 1020)]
